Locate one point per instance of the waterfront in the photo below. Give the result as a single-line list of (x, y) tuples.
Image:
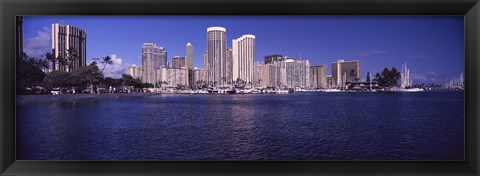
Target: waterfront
[(300, 126)]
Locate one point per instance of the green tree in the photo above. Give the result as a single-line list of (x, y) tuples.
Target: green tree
[(58, 79), (28, 73), (388, 78), (106, 60), (90, 75)]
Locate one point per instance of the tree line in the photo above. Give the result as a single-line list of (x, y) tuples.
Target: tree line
[(31, 78)]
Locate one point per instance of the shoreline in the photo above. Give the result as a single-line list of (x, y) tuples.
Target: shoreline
[(74, 97)]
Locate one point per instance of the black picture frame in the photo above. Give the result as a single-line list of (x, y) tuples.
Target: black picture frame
[(469, 8)]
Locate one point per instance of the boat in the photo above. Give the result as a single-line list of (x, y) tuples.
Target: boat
[(410, 89), (291, 90), (332, 90), (405, 82)]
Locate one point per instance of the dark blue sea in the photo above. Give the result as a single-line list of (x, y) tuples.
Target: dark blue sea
[(299, 126)]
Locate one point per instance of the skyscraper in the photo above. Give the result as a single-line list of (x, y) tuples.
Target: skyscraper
[(345, 71), (244, 57), (189, 57), (229, 66), (135, 71), (270, 58), (178, 62), (67, 38), (318, 76), (297, 72), (153, 59), (205, 60), (217, 48)]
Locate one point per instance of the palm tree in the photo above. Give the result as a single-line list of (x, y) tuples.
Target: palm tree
[(106, 60), (72, 56)]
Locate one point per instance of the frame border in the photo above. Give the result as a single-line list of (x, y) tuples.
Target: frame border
[(470, 9)]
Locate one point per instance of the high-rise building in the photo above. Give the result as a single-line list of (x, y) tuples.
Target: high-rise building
[(153, 59), (205, 60), (297, 73), (178, 62), (280, 74), (189, 57), (330, 82), (270, 58), (69, 43), (135, 71), (217, 48), (345, 71), (267, 75), (173, 77), (19, 39), (244, 57), (229, 66), (318, 76)]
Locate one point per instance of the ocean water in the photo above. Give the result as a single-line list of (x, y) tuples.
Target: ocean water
[(299, 126)]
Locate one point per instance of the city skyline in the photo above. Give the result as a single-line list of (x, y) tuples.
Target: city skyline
[(433, 46)]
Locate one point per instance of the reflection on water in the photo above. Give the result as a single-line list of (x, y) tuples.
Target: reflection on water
[(320, 126)]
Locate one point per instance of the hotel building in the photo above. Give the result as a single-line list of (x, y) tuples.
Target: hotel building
[(67, 38), (243, 57), (280, 74), (297, 73), (216, 59), (267, 75), (153, 58), (135, 71), (178, 62), (345, 71), (205, 60), (172, 77), (271, 58), (318, 76), (229, 66)]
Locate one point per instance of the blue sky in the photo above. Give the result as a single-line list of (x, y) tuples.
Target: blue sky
[(432, 46)]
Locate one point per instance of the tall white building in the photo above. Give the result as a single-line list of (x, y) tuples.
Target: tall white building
[(189, 57), (217, 47), (67, 38), (243, 52), (153, 58), (297, 73)]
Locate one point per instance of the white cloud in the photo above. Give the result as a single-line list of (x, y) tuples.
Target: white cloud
[(39, 45), (116, 69)]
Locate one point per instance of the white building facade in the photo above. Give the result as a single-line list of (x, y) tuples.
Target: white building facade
[(153, 59), (243, 53), (189, 56), (216, 55), (67, 38)]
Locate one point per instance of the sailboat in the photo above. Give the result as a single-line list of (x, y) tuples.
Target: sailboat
[(405, 82)]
